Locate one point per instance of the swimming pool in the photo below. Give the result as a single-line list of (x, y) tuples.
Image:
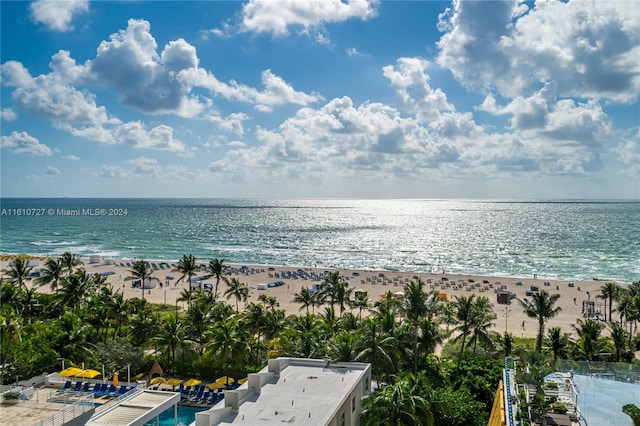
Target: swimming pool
[(601, 400), (186, 415)]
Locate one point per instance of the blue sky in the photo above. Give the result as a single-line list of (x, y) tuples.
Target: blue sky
[(321, 99)]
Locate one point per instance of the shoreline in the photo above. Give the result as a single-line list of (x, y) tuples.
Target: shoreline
[(5, 256), (509, 317)]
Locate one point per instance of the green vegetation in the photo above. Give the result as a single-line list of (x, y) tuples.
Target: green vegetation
[(86, 321)]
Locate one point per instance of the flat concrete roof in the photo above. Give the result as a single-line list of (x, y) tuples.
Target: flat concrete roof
[(304, 393), (136, 410)]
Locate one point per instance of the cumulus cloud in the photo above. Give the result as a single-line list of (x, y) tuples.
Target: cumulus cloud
[(277, 17), (276, 91), (628, 153), (160, 137), (146, 168), (57, 15), (24, 143), (71, 157), (7, 114), (589, 49), (339, 138)]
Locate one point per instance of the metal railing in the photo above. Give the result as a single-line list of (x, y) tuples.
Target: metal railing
[(69, 412)]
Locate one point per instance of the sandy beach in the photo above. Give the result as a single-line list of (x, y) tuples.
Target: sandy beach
[(374, 282)]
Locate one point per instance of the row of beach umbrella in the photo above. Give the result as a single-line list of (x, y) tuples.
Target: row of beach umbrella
[(218, 384), (85, 374)]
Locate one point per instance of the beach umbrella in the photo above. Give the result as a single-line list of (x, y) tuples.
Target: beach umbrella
[(158, 381), (69, 372), (214, 386), (225, 380), (242, 381), (115, 379), (173, 382), (192, 382), (88, 374)]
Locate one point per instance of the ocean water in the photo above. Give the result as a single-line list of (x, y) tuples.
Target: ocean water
[(564, 240)]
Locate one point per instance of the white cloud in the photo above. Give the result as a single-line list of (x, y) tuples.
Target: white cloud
[(276, 91), (148, 169), (113, 172), (589, 49), (71, 157), (57, 15), (7, 114), (628, 153), (160, 137), (24, 143), (52, 171), (414, 93), (277, 17)]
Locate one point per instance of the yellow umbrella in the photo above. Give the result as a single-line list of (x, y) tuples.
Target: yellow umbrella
[(69, 372), (173, 382), (214, 386), (225, 379), (158, 380), (88, 374), (241, 381), (192, 382), (115, 379)]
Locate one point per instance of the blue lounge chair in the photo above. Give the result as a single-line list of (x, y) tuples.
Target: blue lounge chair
[(123, 389), (85, 388), (66, 386), (111, 392), (77, 387), (100, 390)]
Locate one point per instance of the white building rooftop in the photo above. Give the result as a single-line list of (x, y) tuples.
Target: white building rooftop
[(295, 391)]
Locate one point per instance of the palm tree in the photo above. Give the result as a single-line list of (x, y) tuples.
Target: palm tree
[(18, 272), (399, 403), (375, 347), (306, 298), (609, 291), (414, 306), (632, 411), (619, 338), (186, 295), (70, 262), (170, 336), (268, 300), (542, 308), (229, 344), (217, 270), (141, 272), (463, 308), (187, 267), (361, 302), (482, 321), (76, 288), (51, 273), (590, 344), (556, 342), (237, 289)]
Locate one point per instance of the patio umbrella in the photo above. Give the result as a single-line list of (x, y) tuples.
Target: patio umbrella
[(214, 386), (115, 379), (173, 382), (88, 374), (242, 381), (192, 382), (225, 379), (69, 372), (158, 381)]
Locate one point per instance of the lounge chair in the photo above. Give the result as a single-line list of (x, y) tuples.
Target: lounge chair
[(85, 388), (123, 389), (77, 387), (111, 392), (66, 386), (99, 389)]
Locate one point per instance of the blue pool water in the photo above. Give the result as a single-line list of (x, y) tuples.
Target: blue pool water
[(601, 400), (186, 415)]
